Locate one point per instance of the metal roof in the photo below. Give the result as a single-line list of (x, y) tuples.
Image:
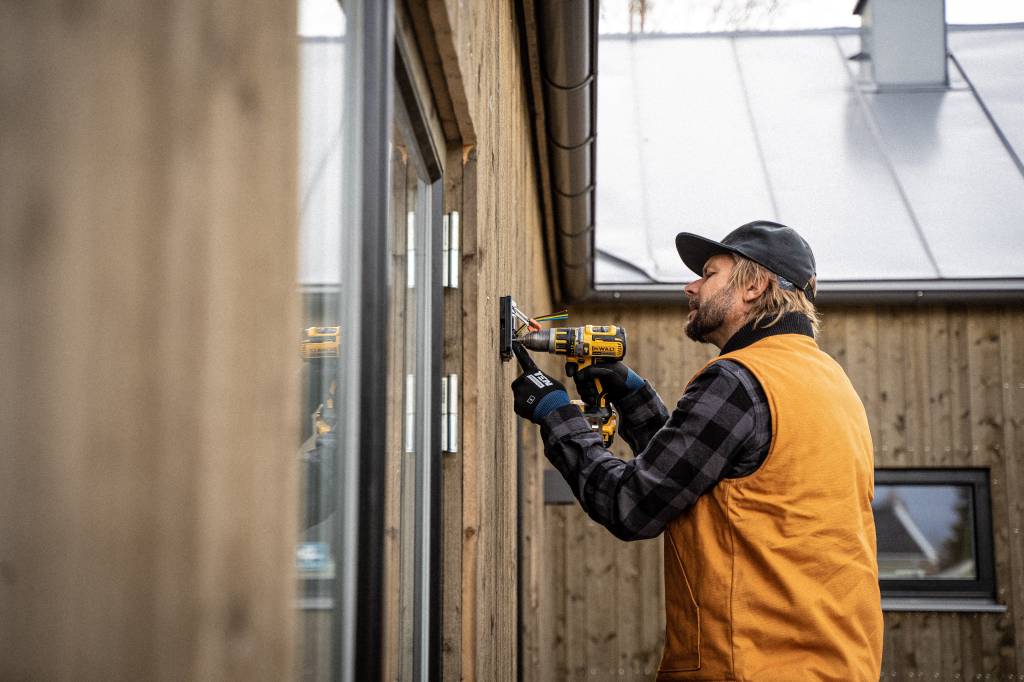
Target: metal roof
[(897, 191)]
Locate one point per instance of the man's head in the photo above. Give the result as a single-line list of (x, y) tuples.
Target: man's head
[(759, 272)]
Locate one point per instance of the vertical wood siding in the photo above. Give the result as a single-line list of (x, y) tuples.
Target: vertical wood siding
[(943, 387), (147, 268), (491, 181)]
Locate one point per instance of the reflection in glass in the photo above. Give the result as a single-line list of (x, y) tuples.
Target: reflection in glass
[(320, 339), (925, 532)]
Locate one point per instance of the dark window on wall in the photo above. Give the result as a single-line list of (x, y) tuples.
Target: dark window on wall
[(934, 530)]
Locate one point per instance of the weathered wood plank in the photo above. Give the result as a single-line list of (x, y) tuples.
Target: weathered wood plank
[(832, 338), (648, 657), (1011, 588), (628, 617), (602, 624), (473, 442), (577, 602), (950, 656), (552, 596), (453, 464), (917, 388), (960, 390), (941, 377), (891, 363), (503, 254), (985, 388), (987, 442), (531, 551), (396, 413), (862, 342), (147, 226)]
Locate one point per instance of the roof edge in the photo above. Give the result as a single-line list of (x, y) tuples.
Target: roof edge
[(900, 292), (794, 32)]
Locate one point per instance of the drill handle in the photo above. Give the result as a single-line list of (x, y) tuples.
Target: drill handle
[(574, 367), (602, 396)]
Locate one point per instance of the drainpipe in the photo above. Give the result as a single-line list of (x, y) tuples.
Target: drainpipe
[(568, 63)]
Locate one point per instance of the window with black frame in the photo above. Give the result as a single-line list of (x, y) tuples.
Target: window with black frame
[(412, 461), (934, 533), (321, 338), (343, 280)]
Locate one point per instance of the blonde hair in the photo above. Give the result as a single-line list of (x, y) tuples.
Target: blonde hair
[(775, 301)]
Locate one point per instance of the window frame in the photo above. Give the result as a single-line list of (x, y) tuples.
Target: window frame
[(980, 588), (410, 115), (357, 634)]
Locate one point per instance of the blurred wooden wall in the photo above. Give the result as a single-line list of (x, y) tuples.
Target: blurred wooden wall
[(147, 268), (943, 387)]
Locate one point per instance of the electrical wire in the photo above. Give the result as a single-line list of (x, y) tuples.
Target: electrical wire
[(533, 323)]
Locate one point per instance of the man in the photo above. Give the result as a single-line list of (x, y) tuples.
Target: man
[(761, 479)]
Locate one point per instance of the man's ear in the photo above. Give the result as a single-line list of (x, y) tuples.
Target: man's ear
[(755, 290)]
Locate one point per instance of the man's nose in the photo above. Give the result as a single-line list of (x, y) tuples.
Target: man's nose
[(692, 288)]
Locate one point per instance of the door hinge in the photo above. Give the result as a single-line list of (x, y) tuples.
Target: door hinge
[(450, 413), (450, 247)]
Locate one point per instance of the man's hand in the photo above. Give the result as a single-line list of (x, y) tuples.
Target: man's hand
[(536, 393), (617, 381)]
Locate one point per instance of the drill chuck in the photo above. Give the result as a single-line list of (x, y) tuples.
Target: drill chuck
[(591, 341), (542, 341)]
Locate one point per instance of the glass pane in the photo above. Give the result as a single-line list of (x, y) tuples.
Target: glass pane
[(322, 88), (925, 532)]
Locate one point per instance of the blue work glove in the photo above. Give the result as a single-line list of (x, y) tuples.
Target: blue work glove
[(536, 394), (617, 381)]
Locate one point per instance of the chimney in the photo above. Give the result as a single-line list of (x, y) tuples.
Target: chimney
[(903, 43)]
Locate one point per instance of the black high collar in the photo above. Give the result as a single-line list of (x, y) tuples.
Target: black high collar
[(791, 323)]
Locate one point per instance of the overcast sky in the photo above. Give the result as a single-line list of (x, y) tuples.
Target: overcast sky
[(324, 17), (698, 16), (320, 18)]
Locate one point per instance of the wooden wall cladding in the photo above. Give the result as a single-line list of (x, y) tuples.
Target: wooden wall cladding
[(491, 181), (943, 387), (148, 241)]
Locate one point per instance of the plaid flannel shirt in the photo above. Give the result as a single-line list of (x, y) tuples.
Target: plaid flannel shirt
[(720, 428)]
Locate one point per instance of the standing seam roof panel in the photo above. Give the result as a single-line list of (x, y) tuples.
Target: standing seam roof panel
[(664, 117), (882, 185), (830, 175)]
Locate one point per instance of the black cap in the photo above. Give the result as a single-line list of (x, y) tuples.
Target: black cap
[(775, 246)]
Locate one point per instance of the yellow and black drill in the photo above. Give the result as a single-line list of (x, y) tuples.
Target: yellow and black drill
[(583, 347)]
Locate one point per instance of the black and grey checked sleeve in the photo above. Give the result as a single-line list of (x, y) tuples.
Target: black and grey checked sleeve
[(719, 428)]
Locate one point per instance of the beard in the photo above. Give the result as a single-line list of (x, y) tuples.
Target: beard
[(710, 316)]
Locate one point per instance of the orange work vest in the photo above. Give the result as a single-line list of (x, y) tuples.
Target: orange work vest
[(774, 576)]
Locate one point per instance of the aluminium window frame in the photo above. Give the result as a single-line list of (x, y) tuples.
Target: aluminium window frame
[(924, 591), (425, 158), (357, 635)]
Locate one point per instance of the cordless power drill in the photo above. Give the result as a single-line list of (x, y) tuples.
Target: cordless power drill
[(583, 347)]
